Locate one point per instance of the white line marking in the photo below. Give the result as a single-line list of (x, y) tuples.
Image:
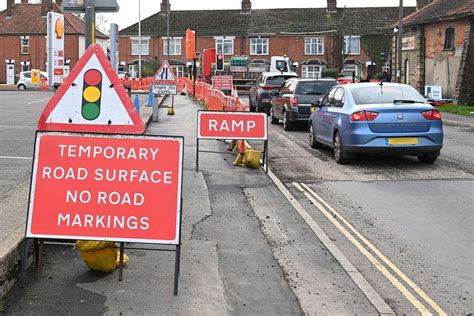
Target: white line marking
[(37, 101), (19, 158)]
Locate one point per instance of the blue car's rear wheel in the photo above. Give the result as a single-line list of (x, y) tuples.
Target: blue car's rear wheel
[(339, 152), (428, 158), (312, 138)]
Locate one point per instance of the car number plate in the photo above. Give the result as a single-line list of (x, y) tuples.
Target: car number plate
[(314, 109), (403, 141)]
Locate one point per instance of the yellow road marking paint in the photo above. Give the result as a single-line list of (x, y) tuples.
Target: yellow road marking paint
[(392, 266)]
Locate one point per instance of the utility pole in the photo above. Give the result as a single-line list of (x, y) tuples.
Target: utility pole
[(139, 40), (399, 44), (90, 22)]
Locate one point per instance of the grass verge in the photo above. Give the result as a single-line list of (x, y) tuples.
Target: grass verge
[(457, 109)]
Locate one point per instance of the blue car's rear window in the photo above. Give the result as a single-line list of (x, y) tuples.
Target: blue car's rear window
[(385, 94)]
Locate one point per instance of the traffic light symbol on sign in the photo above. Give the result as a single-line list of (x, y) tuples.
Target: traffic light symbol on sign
[(220, 61), (91, 94)]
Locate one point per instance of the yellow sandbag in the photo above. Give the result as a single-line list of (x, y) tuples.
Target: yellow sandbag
[(93, 245), (125, 259), (104, 260), (252, 158)]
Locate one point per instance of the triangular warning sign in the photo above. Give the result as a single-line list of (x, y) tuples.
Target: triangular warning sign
[(91, 99), (165, 74)]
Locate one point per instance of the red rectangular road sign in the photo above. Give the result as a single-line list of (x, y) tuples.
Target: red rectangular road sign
[(222, 82), (232, 125), (106, 187)]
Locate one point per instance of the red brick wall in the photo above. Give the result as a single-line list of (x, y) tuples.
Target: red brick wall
[(10, 48), (292, 46), (435, 34)]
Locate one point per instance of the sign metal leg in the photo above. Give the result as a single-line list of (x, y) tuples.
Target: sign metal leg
[(176, 269), (24, 263), (197, 155), (121, 262), (39, 265)]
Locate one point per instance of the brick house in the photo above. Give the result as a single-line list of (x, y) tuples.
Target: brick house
[(438, 48), (313, 37), (23, 30)]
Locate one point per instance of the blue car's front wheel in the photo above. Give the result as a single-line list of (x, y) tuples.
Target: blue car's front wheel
[(312, 138)]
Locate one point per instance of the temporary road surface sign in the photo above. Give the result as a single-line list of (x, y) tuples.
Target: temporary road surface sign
[(222, 82), (91, 99), (106, 187), (232, 125), (165, 74)]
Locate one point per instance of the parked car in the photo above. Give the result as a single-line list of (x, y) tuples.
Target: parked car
[(123, 75), (385, 118), (259, 98), (24, 82), (292, 102)]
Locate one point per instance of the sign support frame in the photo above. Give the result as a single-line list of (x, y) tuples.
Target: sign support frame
[(40, 242), (264, 160)]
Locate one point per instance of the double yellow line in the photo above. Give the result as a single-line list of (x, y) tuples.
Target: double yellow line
[(360, 242)]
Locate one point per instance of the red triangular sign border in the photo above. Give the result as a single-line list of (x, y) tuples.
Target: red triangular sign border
[(137, 128), (165, 62)]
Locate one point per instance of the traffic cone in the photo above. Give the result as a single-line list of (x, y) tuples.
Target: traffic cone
[(150, 97), (137, 103), (235, 94)]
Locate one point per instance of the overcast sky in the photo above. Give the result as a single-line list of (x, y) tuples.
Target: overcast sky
[(128, 13)]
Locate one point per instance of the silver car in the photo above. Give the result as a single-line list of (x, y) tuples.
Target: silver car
[(25, 80)]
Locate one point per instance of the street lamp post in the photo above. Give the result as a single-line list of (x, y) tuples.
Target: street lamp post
[(399, 44)]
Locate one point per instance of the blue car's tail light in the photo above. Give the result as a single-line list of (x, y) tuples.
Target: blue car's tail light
[(364, 116), (431, 115)]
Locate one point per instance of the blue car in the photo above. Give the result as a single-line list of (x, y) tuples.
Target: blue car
[(381, 118)]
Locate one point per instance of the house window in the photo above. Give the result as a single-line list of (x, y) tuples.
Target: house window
[(25, 66), (175, 45), (178, 71), (25, 45), (145, 46), (259, 46), (314, 45), (225, 45), (449, 38), (348, 70), (311, 71), (352, 45)]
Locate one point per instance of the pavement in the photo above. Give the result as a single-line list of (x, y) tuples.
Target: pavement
[(458, 120), (245, 250)]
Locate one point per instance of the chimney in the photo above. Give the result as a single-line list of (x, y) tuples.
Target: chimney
[(165, 7), (246, 7), (332, 6), (46, 6), (10, 7), (59, 2), (422, 3)]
